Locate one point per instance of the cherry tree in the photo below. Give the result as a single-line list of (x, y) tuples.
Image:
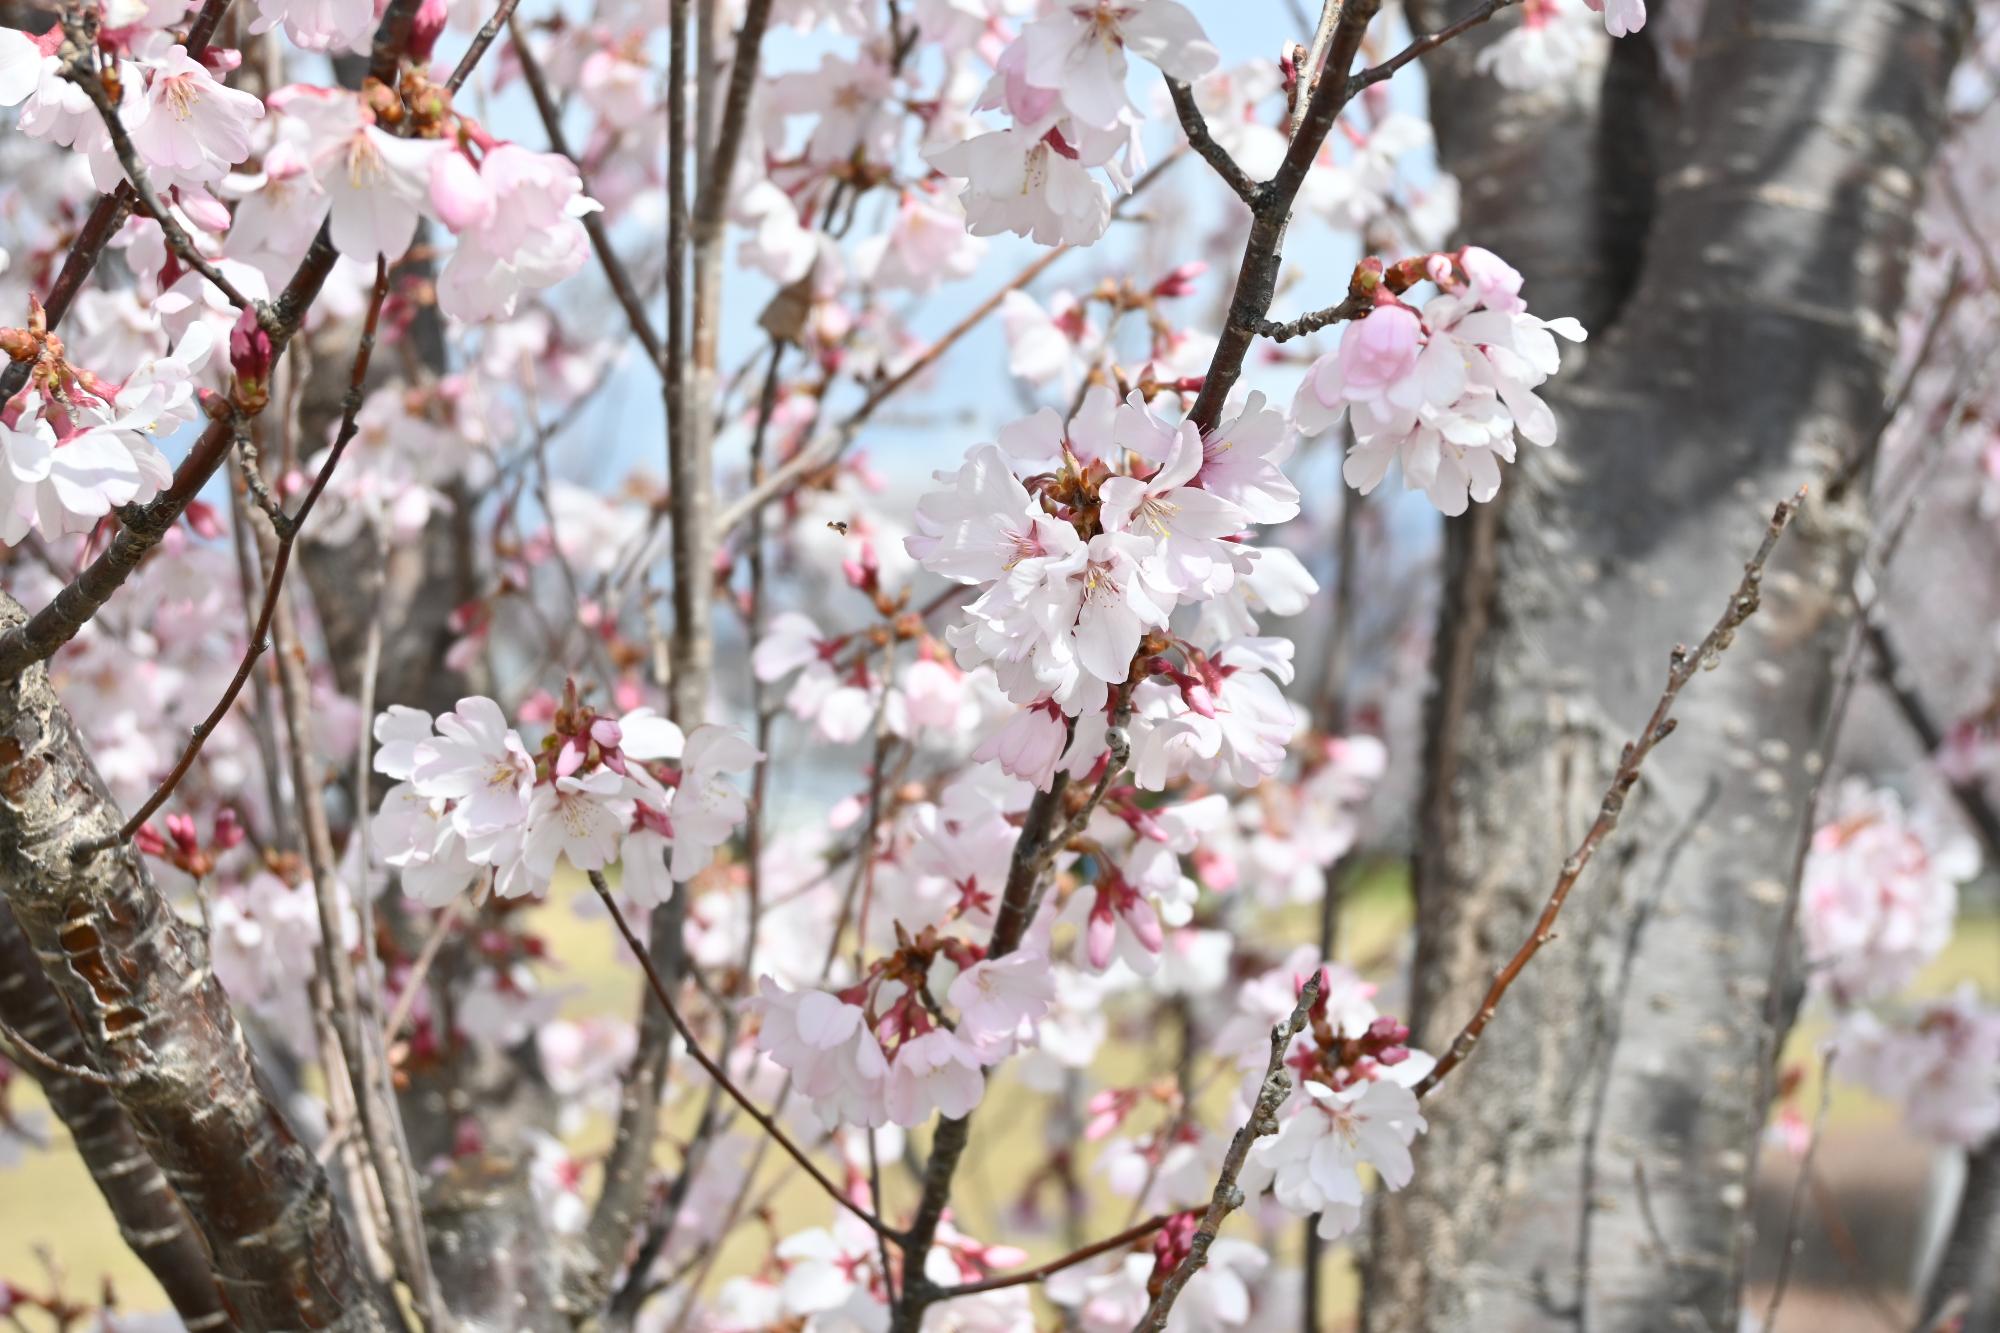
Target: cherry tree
[(881, 515)]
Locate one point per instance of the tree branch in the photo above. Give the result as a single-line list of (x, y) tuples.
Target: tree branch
[(615, 271), (1423, 46), (287, 528), (1228, 1197), (1195, 126), (721, 1075), (1743, 604)]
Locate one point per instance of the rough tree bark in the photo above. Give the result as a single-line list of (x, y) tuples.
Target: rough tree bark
[(154, 1019), (1589, 1168), (148, 1212)]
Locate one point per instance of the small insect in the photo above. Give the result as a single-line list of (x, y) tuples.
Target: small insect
[(839, 526)]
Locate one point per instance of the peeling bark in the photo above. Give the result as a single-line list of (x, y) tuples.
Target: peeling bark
[(148, 1212), (1590, 1167), (154, 1018)]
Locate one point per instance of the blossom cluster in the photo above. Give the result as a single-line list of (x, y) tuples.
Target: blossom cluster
[(1129, 517), (1061, 83), (1441, 390), (470, 801), (1878, 901)]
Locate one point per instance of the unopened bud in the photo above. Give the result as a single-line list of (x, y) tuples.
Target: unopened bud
[(250, 356), (1180, 282), (19, 344), (425, 29)]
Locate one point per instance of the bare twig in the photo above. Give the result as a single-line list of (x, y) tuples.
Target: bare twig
[(22, 1051), (1424, 45), (717, 1072), (79, 69), (1682, 667), (825, 450), (502, 16), (1789, 1249), (1228, 1196), (287, 528), (1971, 797), (615, 271), (1352, 307), (1195, 126), (1136, 1232)]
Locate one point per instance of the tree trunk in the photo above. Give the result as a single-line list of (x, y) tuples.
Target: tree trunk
[(148, 1212), (1590, 1166), (154, 1018)]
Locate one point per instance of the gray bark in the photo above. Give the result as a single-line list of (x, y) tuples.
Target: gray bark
[(1589, 1166), (154, 1018)]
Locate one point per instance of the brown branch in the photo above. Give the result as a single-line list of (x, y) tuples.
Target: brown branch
[(828, 448), (287, 527), (1788, 1252), (1353, 307), (1136, 1232), (721, 1075), (141, 528), (1228, 1196), (1257, 277), (1424, 45), (1195, 126), (1683, 665), (106, 217), (359, 1034), (502, 16), (1971, 797), (79, 47), (615, 271)]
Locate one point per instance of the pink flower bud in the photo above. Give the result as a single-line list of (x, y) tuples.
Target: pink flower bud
[(250, 350), (201, 516), (1180, 282), (425, 29)]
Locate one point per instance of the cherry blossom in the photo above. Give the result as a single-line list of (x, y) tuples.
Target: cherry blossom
[(937, 1072), (194, 129), (1312, 1160), (1078, 51), (375, 183), (1879, 895)]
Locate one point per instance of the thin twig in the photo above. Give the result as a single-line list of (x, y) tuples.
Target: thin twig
[(287, 528), (501, 17), (1682, 667), (829, 448), (1789, 1251), (406, 998), (19, 1049), (1228, 1196), (615, 271), (1423, 46), (1136, 1232), (79, 70), (1352, 307), (717, 1072), (1195, 126)]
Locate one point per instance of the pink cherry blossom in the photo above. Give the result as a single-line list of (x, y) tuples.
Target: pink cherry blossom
[(938, 1072), (194, 129)]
